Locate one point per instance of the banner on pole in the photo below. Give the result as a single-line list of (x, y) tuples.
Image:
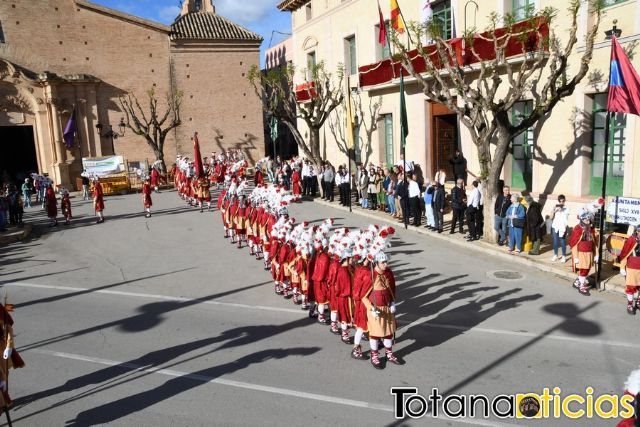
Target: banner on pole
[(103, 166)]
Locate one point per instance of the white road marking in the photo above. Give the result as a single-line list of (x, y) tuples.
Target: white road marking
[(154, 296), (250, 386), (404, 323)]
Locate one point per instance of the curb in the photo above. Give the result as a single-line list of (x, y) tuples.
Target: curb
[(483, 246), (15, 237)]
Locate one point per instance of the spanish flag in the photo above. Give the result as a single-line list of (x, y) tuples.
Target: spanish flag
[(397, 22)]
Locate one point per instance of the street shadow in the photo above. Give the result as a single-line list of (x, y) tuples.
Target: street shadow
[(125, 406), (92, 290), (571, 319), (150, 315)]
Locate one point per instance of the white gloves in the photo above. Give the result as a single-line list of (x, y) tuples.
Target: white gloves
[(7, 353), (576, 261), (375, 312), (623, 272), (596, 258), (392, 308)]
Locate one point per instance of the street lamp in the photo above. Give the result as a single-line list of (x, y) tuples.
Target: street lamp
[(110, 133)]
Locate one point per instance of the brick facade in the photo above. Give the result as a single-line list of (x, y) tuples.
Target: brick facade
[(92, 54)]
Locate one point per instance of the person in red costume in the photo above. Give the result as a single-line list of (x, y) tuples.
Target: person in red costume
[(52, 205), (258, 177), (630, 267), (583, 243), (65, 207), (343, 285), (296, 187), (632, 388), (98, 199), (146, 198), (381, 308), (240, 220), (331, 279), (319, 279), (154, 179), (361, 284)]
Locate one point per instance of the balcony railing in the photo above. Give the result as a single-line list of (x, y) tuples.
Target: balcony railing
[(387, 70)]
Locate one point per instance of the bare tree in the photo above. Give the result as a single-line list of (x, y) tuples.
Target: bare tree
[(153, 124), (368, 120), (510, 61), (321, 94)]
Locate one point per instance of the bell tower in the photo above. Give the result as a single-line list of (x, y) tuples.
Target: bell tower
[(191, 6)]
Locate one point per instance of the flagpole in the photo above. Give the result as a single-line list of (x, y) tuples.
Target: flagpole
[(604, 195)]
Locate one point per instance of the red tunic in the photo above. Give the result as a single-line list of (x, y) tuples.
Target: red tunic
[(331, 278), (283, 255), (258, 179), (309, 292), (234, 213), (343, 285), (65, 206), (274, 247), (52, 203), (361, 283), (319, 277), (146, 195), (154, 177), (295, 183), (98, 197)]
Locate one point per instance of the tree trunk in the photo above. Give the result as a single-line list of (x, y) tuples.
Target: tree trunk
[(160, 157), (492, 187), (314, 145)]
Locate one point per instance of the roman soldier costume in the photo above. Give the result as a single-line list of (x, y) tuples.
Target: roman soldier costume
[(146, 198), (583, 243), (11, 358), (630, 267), (98, 200)]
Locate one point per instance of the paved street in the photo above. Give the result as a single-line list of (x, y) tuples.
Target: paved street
[(162, 322)]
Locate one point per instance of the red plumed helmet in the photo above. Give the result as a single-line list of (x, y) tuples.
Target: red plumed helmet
[(305, 223)]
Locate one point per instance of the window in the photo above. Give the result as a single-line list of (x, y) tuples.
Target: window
[(311, 65), (383, 51), (350, 53), (442, 14), (522, 148), (308, 11), (612, 2), (198, 5), (1, 34), (388, 138), (522, 9), (615, 166)]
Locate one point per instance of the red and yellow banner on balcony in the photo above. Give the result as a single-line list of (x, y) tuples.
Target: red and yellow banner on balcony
[(397, 22)]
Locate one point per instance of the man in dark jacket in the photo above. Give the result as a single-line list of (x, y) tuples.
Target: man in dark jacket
[(458, 203), (438, 207), (503, 201), (459, 167), (402, 193), (534, 224)]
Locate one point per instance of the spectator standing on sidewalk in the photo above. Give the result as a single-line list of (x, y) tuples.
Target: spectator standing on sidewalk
[(363, 185), (390, 191), (414, 199), (503, 201), (26, 193), (441, 177), (402, 194), (438, 207), (428, 204), (535, 224), (559, 225), (458, 200), (85, 185), (328, 178), (459, 167), (473, 204), (372, 189), (516, 214), (382, 188)]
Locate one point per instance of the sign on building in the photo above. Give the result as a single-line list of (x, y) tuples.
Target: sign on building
[(623, 210), (103, 166)]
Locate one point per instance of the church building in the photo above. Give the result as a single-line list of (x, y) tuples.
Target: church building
[(60, 56)]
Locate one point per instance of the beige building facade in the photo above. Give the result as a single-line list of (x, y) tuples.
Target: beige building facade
[(57, 55), (563, 154)]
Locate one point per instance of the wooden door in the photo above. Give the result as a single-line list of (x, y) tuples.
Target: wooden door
[(446, 142)]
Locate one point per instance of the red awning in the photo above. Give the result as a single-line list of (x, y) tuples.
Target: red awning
[(387, 70), (306, 91)]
